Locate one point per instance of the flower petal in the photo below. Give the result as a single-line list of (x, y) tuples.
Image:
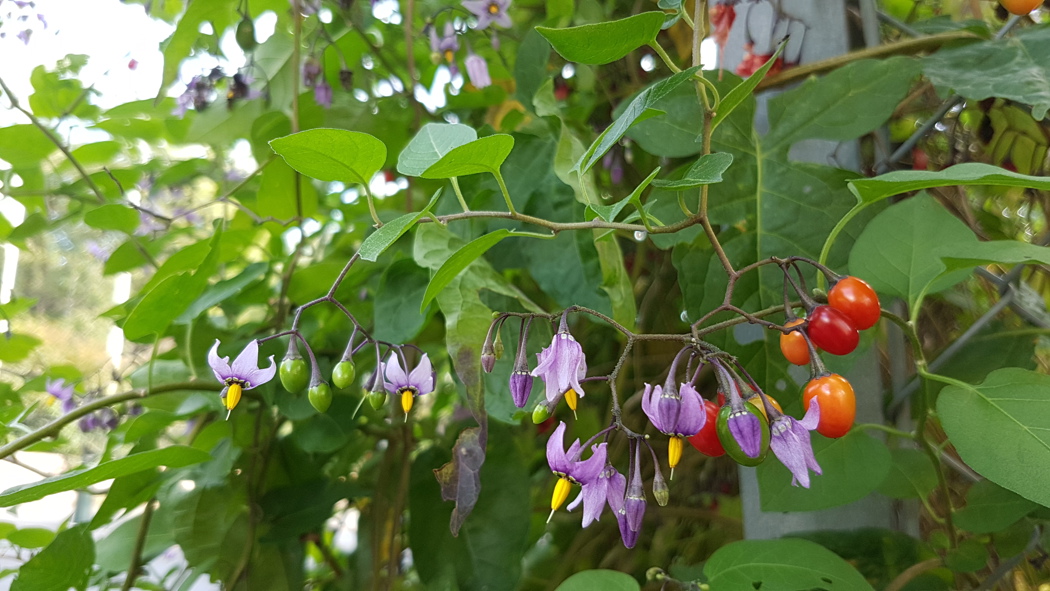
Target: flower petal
[(693, 417), (396, 378), (747, 430), (220, 366), (556, 450), (587, 471), (812, 418), (259, 376), (422, 377), (247, 361), (594, 495)]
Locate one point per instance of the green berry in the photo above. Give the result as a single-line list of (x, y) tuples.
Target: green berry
[(730, 443), (295, 375), (376, 399), (540, 413), (343, 374), (320, 396), (245, 34)]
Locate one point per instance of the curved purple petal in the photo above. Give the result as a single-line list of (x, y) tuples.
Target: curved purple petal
[(791, 444), (812, 418), (668, 407), (422, 377), (220, 366), (396, 378), (587, 471), (247, 361), (647, 400), (747, 430), (259, 376), (594, 495), (556, 450), (692, 417)]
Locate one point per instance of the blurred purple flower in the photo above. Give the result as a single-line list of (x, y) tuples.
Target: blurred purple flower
[(447, 45), (97, 250), (323, 94), (61, 392), (311, 70), (489, 12), (477, 70), (24, 36)]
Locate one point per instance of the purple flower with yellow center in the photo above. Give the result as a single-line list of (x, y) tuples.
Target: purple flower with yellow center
[(562, 366), (790, 442), (409, 385), (243, 374), (570, 469), (61, 392), (489, 12), (446, 46), (676, 412), (477, 70)]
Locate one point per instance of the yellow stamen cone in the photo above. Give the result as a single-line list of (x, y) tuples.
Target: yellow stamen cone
[(233, 396), (572, 400), (493, 8), (407, 399), (561, 492), (449, 55), (674, 453)]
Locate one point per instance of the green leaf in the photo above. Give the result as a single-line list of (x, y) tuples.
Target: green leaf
[(990, 508), (971, 173), (388, 233), (432, 142), (780, 565), (853, 466), (31, 538), (113, 217), (402, 285), (842, 105), (16, 347), (898, 251), (639, 109), (24, 145), (481, 155), (1014, 68), (606, 42), (994, 251), (169, 299), (1001, 429), (705, 171), (530, 67), (911, 475), (608, 213), (459, 261), (65, 563), (606, 580), (350, 157), (745, 89), (277, 196), (174, 456), (224, 290)]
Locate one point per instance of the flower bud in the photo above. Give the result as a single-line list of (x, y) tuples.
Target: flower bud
[(660, 491), (488, 362), (520, 387), (497, 346), (634, 501)]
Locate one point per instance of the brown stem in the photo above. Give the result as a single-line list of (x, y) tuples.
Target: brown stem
[(912, 572), (55, 426)]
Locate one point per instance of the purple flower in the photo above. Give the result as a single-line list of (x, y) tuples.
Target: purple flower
[(477, 70), (244, 374), (447, 45), (745, 427), (408, 385), (24, 36), (489, 11), (597, 493), (567, 465), (790, 443), (634, 500), (323, 94), (520, 387), (677, 412), (616, 493), (198, 94), (61, 393), (311, 70), (561, 366)]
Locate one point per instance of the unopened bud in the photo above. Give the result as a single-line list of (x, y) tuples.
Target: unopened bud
[(497, 346), (488, 361), (520, 387), (660, 490)]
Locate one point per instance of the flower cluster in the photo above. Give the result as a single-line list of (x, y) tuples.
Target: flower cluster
[(443, 47), (203, 90), (104, 418), (745, 424)]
